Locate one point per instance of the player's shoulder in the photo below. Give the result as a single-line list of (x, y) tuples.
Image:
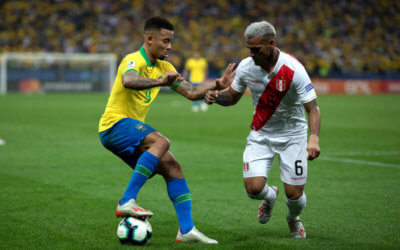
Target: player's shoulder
[(291, 61), (136, 57), (247, 69), (246, 64), (300, 73)]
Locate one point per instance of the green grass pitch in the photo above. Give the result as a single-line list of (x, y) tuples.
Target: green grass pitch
[(59, 187)]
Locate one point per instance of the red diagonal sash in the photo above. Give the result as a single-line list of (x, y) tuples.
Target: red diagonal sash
[(272, 96)]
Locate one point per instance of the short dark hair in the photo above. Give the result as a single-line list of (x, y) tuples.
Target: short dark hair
[(158, 23)]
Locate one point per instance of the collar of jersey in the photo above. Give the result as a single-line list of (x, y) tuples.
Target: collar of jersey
[(143, 53)]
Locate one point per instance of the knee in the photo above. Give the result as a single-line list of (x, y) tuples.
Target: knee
[(158, 146), (163, 143), (294, 194), (253, 189)]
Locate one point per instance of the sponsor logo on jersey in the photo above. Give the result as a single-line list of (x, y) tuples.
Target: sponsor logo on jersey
[(255, 82), (141, 127), (280, 85), (309, 87), (131, 65), (245, 166), (298, 178)]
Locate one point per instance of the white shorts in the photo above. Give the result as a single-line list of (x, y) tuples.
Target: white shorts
[(260, 153)]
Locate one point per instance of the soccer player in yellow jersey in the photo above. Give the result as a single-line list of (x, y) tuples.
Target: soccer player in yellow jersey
[(123, 131), (197, 69)]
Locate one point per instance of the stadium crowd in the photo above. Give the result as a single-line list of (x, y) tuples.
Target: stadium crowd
[(329, 37)]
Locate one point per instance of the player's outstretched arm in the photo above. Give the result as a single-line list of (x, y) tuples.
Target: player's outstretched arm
[(198, 92), (314, 123), (132, 80), (192, 92), (226, 97)]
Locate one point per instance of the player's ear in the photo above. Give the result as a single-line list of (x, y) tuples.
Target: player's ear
[(271, 42), (148, 38)]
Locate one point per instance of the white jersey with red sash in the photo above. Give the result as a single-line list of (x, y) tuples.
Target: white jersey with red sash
[(278, 97)]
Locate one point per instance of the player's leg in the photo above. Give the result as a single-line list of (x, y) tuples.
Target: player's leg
[(157, 145), (296, 202), (196, 104), (179, 193), (293, 164), (295, 199), (140, 146), (257, 188), (257, 162), (203, 105)]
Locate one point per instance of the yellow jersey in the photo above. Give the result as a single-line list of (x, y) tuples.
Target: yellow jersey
[(130, 103), (197, 68)]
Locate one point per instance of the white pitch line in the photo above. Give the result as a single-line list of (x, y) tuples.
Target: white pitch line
[(367, 153), (370, 163)]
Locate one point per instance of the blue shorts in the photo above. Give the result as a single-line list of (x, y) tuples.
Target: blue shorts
[(123, 138)]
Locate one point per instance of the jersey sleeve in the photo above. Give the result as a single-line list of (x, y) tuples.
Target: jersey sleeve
[(133, 62), (239, 84), (304, 87)]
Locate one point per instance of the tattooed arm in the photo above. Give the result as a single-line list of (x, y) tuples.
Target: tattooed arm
[(132, 80), (194, 92), (198, 92)]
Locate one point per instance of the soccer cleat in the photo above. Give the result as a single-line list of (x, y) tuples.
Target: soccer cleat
[(296, 228), (265, 208), (132, 209), (194, 235)]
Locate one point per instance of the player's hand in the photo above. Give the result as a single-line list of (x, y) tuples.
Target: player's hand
[(313, 149), (211, 96), (170, 78), (227, 78)]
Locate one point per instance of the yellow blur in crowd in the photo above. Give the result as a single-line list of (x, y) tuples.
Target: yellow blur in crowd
[(351, 37)]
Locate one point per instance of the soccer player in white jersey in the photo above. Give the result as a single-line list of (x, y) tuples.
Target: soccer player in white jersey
[(281, 90)]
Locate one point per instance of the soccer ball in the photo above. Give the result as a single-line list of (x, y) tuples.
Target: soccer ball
[(134, 231)]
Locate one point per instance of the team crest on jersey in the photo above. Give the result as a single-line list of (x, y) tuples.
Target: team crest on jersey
[(131, 65), (280, 85), (245, 166), (141, 127)]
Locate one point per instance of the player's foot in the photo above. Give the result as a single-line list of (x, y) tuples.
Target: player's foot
[(194, 235), (204, 107), (265, 208), (195, 108), (296, 228), (132, 209)]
